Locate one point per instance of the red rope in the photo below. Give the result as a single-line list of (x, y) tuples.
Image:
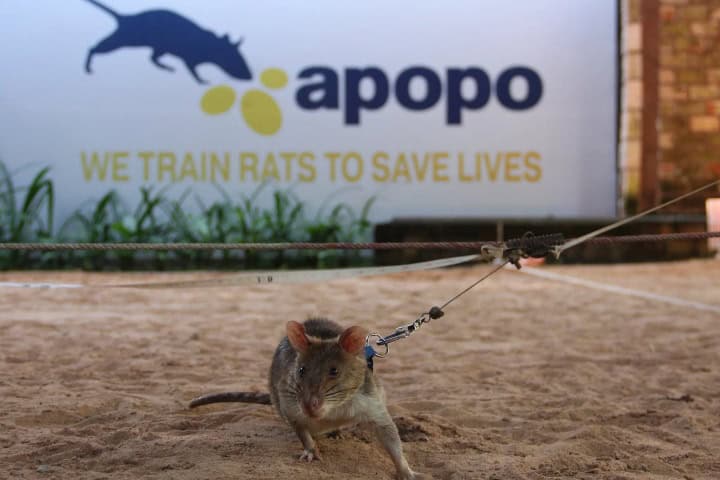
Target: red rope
[(331, 245)]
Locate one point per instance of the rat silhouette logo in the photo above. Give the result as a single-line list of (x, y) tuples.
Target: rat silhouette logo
[(167, 32)]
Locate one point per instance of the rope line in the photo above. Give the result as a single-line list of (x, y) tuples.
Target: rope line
[(472, 245), (463, 292), (613, 226), (606, 287)]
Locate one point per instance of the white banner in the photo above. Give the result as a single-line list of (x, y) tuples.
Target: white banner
[(464, 108)]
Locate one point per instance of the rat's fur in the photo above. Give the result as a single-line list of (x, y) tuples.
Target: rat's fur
[(335, 388)]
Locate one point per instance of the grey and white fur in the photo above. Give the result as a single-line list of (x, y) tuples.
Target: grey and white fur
[(320, 382)]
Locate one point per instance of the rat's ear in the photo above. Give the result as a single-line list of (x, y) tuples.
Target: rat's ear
[(296, 336), (352, 340)]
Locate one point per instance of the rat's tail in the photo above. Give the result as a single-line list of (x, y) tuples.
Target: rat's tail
[(105, 8), (244, 397)]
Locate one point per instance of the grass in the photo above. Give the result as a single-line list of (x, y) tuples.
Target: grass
[(26, 215)]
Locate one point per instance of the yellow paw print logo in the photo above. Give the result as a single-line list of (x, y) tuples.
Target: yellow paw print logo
[(259, 110)]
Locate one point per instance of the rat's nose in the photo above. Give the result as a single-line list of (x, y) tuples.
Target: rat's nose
[(312, 406)]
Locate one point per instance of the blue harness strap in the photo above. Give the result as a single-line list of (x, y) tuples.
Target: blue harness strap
[(369, 354)]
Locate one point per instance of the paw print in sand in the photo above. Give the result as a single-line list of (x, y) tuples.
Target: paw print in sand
[(260, 110)]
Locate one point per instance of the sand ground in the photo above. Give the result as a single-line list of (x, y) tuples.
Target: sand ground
[(524, 378)]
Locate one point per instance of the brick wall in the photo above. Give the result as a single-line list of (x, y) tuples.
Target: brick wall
[(688, 123), (631, 118)]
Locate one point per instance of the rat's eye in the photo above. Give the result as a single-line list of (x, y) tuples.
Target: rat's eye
[(301, 371), (333, 372)]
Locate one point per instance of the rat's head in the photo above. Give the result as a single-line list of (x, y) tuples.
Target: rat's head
[(328, 371), (228, 57)]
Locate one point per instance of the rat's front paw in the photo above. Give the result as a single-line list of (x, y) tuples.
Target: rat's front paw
[(310, 455)]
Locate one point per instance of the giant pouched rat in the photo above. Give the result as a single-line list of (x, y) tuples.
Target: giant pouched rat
[(320, 381)]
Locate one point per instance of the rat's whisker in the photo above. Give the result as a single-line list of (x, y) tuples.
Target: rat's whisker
[(333, 387), (339, 392)]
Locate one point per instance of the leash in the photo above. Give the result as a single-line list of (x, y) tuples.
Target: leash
[(612, 226), (511, 252)]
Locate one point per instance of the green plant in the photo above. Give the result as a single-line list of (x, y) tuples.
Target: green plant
[(94, 226), (249, 217), (360, 227), (30, 219), (144, 225), (282, 222), (211, 224), (26, 215), (248, 224), (342, 225), (25, 221)]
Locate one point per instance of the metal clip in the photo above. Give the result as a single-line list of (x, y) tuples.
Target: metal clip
[(404, 331), (371, 352)]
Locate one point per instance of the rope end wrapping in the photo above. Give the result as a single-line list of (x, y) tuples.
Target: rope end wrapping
[(435, 313), (531, 246)]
